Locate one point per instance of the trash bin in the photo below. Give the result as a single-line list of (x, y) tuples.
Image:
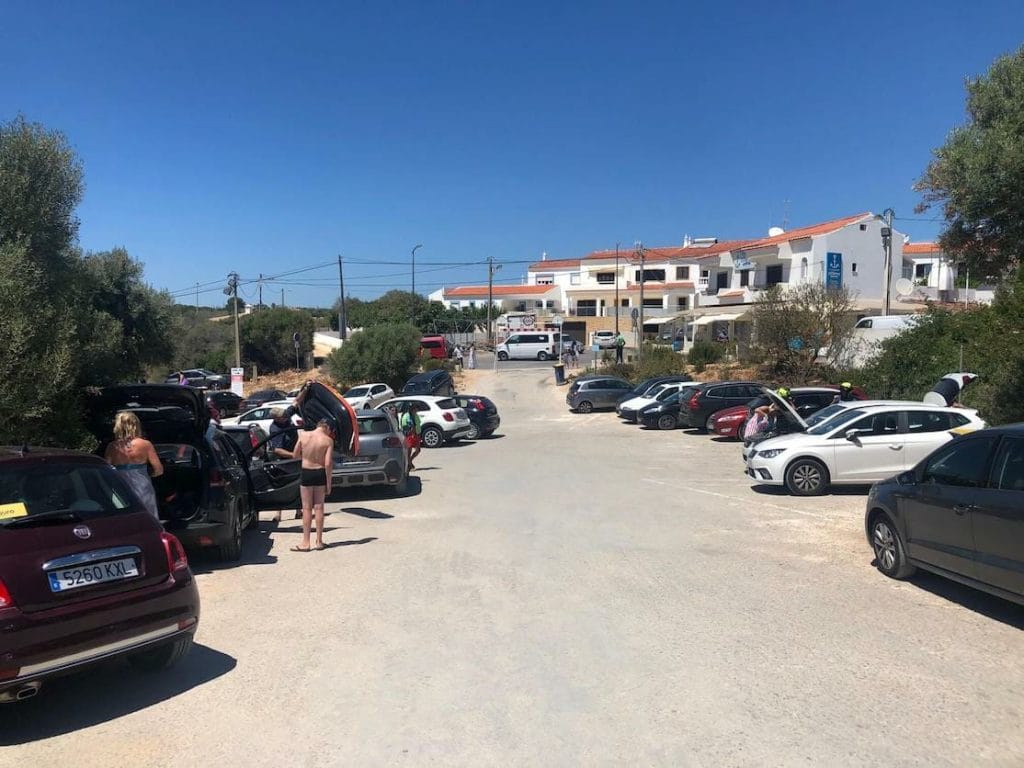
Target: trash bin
[(559, 373), (677, 346)]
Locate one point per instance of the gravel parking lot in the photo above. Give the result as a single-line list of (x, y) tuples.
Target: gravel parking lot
[(574, 590)]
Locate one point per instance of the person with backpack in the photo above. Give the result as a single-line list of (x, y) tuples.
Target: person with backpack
[(409, 423)]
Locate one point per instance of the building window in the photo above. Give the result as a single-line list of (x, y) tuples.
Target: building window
[(471, 304), (545, 279), (605, 277), (551, 304), (574, 278), (721, 280), (744, 278), (853, 268), (653, 303), (586, 308), (773, 275), (682, 303), (651, 275), (539, 304), (682, 273), (624, 302), (922, 270), (520, 306), (803, 268)]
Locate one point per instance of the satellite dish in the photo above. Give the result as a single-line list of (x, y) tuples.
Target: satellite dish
[(904, 287), (775, 231)]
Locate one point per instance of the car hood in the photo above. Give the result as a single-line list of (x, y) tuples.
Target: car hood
[(637, 402), (170, 413), (318, 401), (781, 403)]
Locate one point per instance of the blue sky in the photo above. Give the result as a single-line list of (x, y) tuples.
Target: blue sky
[(266, 137)]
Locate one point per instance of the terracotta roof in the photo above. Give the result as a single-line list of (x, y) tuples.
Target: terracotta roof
[(540, 266), (815, 229), (498, 290), (669, 253), (920, 249), (650, 285)]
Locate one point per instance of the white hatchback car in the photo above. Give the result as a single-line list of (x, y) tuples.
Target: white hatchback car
[(857, 446), (604, 339), (368, 395), (441, 419), (261, 415), (629, 409)]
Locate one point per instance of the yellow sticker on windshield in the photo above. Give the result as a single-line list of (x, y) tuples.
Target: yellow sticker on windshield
[(14, 509)]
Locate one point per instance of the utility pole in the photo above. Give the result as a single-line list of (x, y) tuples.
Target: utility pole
[(197, 299), (342, 319), (260, 283), (491, 269), (412, 313), (282, 297), (616, 289), (887, 215), (640, 327), (232, 291)]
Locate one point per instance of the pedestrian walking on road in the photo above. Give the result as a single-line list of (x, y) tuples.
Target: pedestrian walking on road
[(457, 355), (620, 345), (134, 457), (471, 360), (571, 359), (316, 450), (411, 427)]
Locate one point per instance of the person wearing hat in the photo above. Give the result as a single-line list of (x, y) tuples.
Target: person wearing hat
[(845, 393)]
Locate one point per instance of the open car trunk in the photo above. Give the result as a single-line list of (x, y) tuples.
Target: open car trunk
[(179, 490)]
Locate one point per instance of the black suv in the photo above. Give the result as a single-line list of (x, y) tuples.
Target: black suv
[(710, 398), (959, 513), (437, 382)]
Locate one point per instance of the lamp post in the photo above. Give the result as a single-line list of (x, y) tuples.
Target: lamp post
[(616, 289), (412, 313), (887, 215), (641, 252)]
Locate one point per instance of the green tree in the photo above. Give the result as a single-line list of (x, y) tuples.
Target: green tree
[(385, 353), (266, 337), (978, 174), (230, 305)]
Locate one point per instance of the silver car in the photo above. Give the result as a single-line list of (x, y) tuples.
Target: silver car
[(382, 458)]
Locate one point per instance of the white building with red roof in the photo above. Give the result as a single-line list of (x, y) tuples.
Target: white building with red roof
[(506, 298)]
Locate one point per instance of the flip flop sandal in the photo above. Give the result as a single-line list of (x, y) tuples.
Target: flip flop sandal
[(300, 549), (319, 547)]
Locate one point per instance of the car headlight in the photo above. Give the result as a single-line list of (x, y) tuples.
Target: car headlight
[(770, 453)]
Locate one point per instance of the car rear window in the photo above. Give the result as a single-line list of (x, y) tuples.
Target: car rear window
[(37, 488), (375, 425), (447, 404), (430, 344)]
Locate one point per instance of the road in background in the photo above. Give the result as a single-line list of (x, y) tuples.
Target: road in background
[(573, 591)]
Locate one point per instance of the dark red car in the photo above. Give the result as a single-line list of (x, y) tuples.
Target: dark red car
[(807, 400), (86, 573)]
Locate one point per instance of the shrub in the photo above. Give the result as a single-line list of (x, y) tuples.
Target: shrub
[(703, 353), (437, 364), (385, 353), (659, 360)]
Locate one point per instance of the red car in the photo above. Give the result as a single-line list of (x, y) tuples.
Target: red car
[(86, 573), (731, 421)]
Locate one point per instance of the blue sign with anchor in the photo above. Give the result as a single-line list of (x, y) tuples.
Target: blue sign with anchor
[(833, 271)]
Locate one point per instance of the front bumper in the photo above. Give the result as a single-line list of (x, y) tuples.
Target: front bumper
[(765, 471)]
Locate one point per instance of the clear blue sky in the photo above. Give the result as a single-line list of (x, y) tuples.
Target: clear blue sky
[(266, 137)]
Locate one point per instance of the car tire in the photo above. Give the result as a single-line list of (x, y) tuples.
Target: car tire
[(709, 425), (254, 522), (432, 437), (741, 430), (666, 421), (474, 432), (585, 407), (401, 488), (542, 356), (162, 657), (890, 557), (230, 551), (503, 356), (806, 477)]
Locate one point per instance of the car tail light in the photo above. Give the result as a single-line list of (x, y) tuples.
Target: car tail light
[(217, 479), (176, 559), (392, 442), (6, 601), (447, 416), (694, 403), (254, 438)]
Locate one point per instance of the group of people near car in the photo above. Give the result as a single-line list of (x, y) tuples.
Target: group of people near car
[(464, 357)]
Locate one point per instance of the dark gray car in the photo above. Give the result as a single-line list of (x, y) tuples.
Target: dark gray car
[(382, 458), (590, 392), (959, 513)]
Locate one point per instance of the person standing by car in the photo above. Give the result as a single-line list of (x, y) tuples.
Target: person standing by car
[(471, 358), (134, 456), (620, 346), (457, 356), (845, 393), (182, 378), (283, 434), (316, 450), (409, 423)]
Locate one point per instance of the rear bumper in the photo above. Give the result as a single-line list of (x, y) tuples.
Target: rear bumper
[(457, 434), (53, 642), (387, 472)]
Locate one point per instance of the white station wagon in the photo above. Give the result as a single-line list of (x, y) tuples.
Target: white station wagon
[(857, 446)]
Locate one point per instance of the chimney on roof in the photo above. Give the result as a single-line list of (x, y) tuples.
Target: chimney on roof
[(544, 256), (686, 241)]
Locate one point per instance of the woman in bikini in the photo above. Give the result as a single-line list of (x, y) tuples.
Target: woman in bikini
[(316, 450), (134, 457)]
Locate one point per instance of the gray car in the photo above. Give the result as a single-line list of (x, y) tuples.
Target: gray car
[(382, 458), (596, 391)]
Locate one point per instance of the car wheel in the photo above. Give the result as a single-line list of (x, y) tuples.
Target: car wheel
[(474, 432), (709, 425), (161, 657), (890, 558), (402, 486), (503, 356), (432, 437), (666, 421), (254, 522), (806, 477), (741, 430), (542, 356), (585, 407), (231, 550)]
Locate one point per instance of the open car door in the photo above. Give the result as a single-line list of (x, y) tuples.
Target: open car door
[(273, 482)]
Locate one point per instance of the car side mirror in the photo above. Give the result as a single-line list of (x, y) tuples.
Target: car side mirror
[(907, 478), (853, 436)]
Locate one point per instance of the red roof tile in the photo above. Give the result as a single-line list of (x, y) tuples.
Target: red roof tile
[(921, 249), (669, 253), (540, 266), (498, 290), (815, 229)]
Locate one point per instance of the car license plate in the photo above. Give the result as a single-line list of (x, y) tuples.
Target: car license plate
[(95, 573)]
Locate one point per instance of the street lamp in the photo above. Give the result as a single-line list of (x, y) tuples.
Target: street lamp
[(413, 312), (616, 289)]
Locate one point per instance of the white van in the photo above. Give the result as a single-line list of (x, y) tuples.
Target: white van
[(885, 323), (530, 345)]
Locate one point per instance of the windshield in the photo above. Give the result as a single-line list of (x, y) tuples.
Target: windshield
[(667, 392), (825, 413), (357, 392), (43, 488), (375, 425), (655, 390), (823, 427)]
